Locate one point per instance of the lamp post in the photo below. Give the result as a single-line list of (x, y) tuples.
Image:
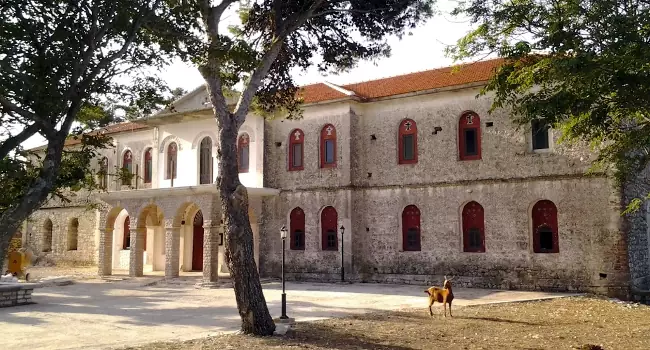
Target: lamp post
[(283, 234), (342, 255)]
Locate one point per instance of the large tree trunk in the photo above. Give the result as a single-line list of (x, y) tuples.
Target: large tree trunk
[(251, 304), (12, 218)]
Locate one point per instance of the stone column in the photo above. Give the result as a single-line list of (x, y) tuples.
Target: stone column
[(172, 251), (105, 263), (210, 253), (136, 258)]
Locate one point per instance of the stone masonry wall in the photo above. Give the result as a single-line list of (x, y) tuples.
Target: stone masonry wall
[(639, 234), (591, 256), (61, 218)]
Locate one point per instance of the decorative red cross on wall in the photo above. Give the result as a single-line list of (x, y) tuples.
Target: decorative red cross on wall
[(407, 125), (297, 135), (329, 130)]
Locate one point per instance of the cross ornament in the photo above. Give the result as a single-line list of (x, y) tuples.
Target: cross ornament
[(408, 125), (329, 130), (128, 155), (297, 135), (470, 119), (244, 138)]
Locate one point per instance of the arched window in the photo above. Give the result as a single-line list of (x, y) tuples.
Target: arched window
[(328, 222), (127, 167), (126, 242), (172, 163), (469, 136), (297, 229), (328, 146), (296, 151), (47, 235), (103, 173), (408, 142), (411, 228), (205, 161), (73, 234), (545, 233), (473, 228), (148, 165), (243, 152)]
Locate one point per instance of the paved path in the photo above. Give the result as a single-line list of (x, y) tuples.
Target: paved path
[(95, 314)]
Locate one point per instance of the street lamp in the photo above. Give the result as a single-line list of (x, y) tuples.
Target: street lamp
[(342, 255), (283, 234)]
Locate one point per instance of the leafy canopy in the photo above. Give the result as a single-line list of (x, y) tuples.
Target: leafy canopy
[(588, 62)]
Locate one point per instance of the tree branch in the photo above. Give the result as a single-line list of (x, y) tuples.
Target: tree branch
[(246, 98), (14, 141)]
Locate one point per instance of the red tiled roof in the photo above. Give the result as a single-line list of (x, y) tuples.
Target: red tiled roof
[(110, 129), (319, 92), (403, 84)]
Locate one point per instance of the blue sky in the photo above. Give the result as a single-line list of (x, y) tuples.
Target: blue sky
[(423, 50)]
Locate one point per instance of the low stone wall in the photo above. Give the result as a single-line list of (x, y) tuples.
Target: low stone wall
[(13, 294)]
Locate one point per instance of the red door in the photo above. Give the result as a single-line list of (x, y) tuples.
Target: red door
[(197, 249)]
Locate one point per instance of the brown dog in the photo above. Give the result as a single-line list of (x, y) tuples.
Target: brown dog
[(442, 295)]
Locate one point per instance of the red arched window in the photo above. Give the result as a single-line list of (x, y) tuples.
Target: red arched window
[(148, 166), (297, 229), (103, 173), (328, 221), (172, 163), (411, 228), (469, 136), (545, 235), (243, 152), (408, 142), (328, 146), (126, 244), (473, 228), (296, 149), (127, 166)]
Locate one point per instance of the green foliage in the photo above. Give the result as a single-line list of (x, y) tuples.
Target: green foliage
[(579, 66)]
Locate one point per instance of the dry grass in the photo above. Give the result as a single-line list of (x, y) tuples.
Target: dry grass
[(570, 323)]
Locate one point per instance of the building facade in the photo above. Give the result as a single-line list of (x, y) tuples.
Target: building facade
[(424, 181)]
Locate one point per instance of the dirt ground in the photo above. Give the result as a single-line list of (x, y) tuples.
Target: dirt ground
[(568, 323)]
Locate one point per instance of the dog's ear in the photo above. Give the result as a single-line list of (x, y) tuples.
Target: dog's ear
[(445, 276)]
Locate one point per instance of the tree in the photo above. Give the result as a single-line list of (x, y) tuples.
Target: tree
[(580, 66), (273, 37), (62, 65)]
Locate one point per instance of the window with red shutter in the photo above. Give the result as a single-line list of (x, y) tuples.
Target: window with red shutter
[(296, 150), (328, 146), (545, 228), (329, 235), (297, 229), (408, 142), (411, 236), (473, 228), (469, 136)]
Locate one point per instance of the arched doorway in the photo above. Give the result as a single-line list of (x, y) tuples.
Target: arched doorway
[(197, 242)]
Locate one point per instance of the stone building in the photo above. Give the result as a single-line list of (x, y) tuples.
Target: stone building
[(425, 182)]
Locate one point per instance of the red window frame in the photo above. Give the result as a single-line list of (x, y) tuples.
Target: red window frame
[(148, 165), (126, 242), (243, 142), (329, 221), (296, 222), (473, 217), (127, 165), (407, 127), (296, 137), (103, 180), (327, 133), (544, 213), (205, 161), (172, 154), (468, 121), (411, 219)]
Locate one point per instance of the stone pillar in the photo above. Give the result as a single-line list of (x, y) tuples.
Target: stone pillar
[(136, 258), (105, 263), (172, 251), (210, 253)]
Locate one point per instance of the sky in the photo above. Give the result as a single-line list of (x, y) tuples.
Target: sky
[(423, 50)]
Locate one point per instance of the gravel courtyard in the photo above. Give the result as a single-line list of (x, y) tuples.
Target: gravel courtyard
[(98, 314)]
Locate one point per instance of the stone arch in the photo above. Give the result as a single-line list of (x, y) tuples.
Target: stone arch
[(47, 229), (111, 217), (150, 214), (245, 129), (185, 213), (203, 134), (169, 139)]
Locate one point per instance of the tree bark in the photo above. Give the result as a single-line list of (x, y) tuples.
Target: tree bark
[(12, 218), (239, 244)]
